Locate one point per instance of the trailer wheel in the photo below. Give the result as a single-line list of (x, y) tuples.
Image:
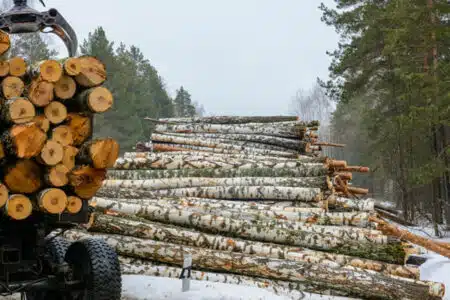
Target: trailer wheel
[(96, 264)]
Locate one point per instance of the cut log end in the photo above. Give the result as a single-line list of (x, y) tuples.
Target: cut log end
[(19, 111), (99, 99), (55, 112), (81, 127), (12, 87), (17, 66), (93, 72), (87, 181), (4, 195), (65, 87), (58, 175), (27, 140), (74, 204), (5, 42), (41, 92), (52, 153), (63, 135), (338, 164), (23, 177), (19, 207), (72, 66), (42, 122), (4, 68), (103, 153), (50, 70), (52, 200)]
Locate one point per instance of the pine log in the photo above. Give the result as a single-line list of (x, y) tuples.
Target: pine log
[(231, 119), (4, 195), (55, 112), (72, 66), (4, 68), (100, 153), (86, 181), (57, 176), (47, 70), (69, 156), (24, 140), (74, 204), (12, 87), (18, 111), (81, 127), (19, 207), (23, 177), (5, 42), (51, 154), (224, 192), (362, 283), (178, 235), (97, 100), (17, 66), (322, 182), (41, 92), (65, 87), (52, 200), (316, 237), (306, 170), (92, 72), (63, 134), (42, 122)]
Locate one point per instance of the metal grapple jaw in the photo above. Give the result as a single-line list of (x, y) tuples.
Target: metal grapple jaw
[(24, 19)]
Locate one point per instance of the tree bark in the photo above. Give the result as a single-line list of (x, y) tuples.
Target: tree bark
[(63, 134), (52, 200), (92, 72), (47, 70), (18, 111), (51, 154), (41, 92), (362, 284), (65, 87), (233, 120), (17, 66), (12, 87), (86, 181), (346, 241), (24, 140), (81, 127), (55, 112), (19, 207), (100, 153), (23, 177)]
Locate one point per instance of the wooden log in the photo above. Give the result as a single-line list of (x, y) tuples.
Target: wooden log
[(12, 87), (97, 100), (55, 112), (42, 122), (41, 92), (52, 200), (352, 204), (72, 66), (5, 42), (322, 182), (65, 87), (51, 154), (100, 153), (316, 237), (17, 66), (24, 140), (47, 70), (18, 111), (229, 119), (86, 181), (81, 127), (69, 156), (92, 72), (4, 195), (19, 207), (356, 169), (57, 176), (63, 134), (4, 68), (224, 192), (74, 204), (363, 283), (24, 176)]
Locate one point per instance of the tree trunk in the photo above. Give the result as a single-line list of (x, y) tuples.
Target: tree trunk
[(41, 92), (63, 134), (92, 72), (352, 204), (224, 192), (23, 177), (51, 154), (81, 127), (72, 66), (55, 112), (233, 120), (13, 87), (18, 207), (100, 153), (65, 87), (18, 111), (74, 204), (86, 181), (47, 70), (17, 66), (178, 235), (57, 176), (362, 283), (52, 200), (346, 241), (4, 68), (96, 100), (69, 156), (5, 43), (25, 140)]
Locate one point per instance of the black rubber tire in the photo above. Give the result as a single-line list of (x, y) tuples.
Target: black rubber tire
[(97, 264)]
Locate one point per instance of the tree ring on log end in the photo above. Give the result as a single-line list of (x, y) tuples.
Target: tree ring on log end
[(20, 111), (4, 195), (19, 207), (63, 135), (65, 87), (100, 100), (50, 70), (74, 204), (12, 87), (53, 201), (52, 153), (4, 68), (17, 66), (55, 112), (41, 93)]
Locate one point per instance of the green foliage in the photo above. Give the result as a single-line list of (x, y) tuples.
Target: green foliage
[(183, 104)]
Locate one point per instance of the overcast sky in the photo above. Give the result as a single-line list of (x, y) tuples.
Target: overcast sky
[(236, 57)]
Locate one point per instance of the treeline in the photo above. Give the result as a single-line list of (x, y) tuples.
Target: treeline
[(391, 81)]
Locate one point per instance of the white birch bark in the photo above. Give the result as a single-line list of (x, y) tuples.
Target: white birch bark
[(236, 120)]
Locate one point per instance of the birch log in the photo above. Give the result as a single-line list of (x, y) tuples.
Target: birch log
[(316, 237), (361, 283), (182, 236), (232, 120)]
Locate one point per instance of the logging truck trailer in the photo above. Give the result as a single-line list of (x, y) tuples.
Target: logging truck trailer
[(34, 261)]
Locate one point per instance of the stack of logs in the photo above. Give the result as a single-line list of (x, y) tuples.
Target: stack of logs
[(253, 217), (49, 161)]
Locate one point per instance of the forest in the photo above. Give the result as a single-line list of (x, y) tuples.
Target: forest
[(387, 98)]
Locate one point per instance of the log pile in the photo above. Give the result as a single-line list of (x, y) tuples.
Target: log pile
[(254, 215), (49, 161)]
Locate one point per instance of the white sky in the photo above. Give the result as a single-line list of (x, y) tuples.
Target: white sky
[(236, 57)]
